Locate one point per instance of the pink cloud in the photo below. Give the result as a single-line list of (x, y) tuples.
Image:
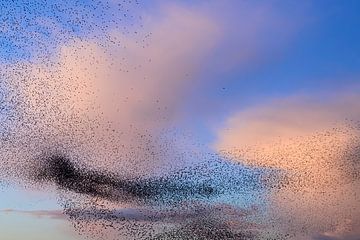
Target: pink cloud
[(106, 102), (52, 214), (316, 144)]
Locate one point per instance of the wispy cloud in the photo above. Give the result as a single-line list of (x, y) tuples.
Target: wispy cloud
[(52, 214), (345, 230)]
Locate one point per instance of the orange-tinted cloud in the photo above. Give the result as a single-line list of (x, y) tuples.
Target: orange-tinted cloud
[(316, 143)]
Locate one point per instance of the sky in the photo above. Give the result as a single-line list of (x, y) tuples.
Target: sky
[(144, 88)]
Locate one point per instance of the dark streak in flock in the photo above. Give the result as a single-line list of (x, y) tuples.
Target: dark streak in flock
[(181, 199), (67, 175)]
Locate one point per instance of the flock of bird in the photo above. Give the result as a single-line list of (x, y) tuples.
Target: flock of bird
[(46, 140)]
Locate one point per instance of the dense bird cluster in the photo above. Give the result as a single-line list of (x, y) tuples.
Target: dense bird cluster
[(169, 206)]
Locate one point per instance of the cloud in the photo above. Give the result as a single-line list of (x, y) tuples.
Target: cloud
[(315, 142), (52, 214), (285, 133), (346, 230), (109, 100), (288, 118)]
